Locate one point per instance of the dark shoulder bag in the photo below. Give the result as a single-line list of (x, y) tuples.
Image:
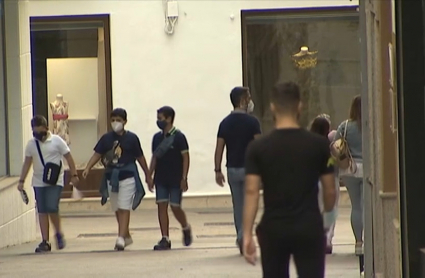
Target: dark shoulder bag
[(165, 145), (51, 171)]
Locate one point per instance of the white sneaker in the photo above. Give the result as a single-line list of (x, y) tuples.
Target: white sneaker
[(120, 244), (128, 241)]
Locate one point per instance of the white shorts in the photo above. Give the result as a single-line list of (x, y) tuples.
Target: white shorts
[(124, 198)]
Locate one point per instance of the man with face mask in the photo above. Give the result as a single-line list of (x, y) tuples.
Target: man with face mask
[(118, 151), (235, 132), (44, 150), (170, 167)]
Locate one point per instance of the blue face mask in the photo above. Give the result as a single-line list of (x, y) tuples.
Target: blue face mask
[(161, 124)]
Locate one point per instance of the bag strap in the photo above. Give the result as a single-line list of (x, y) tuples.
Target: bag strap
[(39, 152), (345, 129)]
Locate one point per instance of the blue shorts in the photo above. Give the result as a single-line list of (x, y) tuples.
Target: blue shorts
[(168, 194), (47, 198)]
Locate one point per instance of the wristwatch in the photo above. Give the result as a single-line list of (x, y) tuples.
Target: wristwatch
[(217, 170), (75, 176)]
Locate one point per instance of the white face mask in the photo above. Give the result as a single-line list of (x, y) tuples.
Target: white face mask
[(250, 107), (117, 126)]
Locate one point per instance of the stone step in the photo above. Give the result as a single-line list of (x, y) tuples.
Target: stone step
[(190, 202)]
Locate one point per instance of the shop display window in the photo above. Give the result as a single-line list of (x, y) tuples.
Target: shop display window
[(71, 79), (317, 48)]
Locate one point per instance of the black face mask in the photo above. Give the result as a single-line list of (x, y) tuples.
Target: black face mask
[(39, 135), (161, 124)]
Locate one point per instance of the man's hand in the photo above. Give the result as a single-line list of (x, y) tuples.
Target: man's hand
[(249, 250), (75, 180), (20, 186), (150, 183), (219, 178), (183, 185), (85, 173)]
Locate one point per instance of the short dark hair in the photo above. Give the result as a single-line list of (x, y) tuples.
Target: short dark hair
[(167, 111), (286, 97), (320, 126), (237, 94), (119, 112), (38, 121)]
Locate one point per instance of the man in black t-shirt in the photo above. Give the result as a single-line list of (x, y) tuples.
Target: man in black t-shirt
[(235, 132), (288, 163), (170, 167)]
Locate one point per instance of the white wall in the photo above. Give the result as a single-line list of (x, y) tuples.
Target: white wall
[(193, 70), (17, 220)]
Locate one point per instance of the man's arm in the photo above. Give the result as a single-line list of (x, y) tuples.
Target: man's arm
[(65, 151), (25, 168), (140, 157), (183, 147), (257, 128), (93, 160), (252, 196), (144, 165), (152, 165), (329, 191), (218, 156), (71, 164), (252, 189), (186, 163)]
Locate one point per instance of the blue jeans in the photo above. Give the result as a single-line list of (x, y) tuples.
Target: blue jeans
[(169, 194), (236, 179), (355, 191), (47, 198)]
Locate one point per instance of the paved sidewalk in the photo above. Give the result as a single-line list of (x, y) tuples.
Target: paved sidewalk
[(91, 238)]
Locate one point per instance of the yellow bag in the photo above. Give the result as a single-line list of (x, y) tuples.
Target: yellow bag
[(340, 151)]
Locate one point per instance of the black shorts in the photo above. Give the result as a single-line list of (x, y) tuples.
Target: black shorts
[(277, 245)]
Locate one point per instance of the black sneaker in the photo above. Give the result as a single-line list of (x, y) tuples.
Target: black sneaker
[(43, 247), (187, 236), (163, 244), (60, 241)]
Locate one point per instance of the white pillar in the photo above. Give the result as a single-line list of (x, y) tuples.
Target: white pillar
[(18, 79)]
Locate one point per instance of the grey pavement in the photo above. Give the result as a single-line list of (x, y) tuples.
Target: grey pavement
[(91, 238)]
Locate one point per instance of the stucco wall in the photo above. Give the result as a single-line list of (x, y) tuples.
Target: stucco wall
[(193, 70), (17, 220)]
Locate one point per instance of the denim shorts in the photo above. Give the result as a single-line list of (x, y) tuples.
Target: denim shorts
[(47, 198), (168, 194)]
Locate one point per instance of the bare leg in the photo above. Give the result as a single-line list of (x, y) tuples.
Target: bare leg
[(118, 221), (123, 223), (163, 218), (180, 215), (56, 221), (43, 218)]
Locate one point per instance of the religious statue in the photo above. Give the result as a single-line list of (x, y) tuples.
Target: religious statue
[(59, 109)]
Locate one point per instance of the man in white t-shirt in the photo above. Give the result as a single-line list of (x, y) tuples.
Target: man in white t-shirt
[(43, 151)]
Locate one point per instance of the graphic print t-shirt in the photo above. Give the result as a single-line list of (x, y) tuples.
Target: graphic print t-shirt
[(118, 150), (290, 163)]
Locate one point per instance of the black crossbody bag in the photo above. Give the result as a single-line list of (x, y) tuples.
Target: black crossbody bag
[(51, 171), (165, 144)]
